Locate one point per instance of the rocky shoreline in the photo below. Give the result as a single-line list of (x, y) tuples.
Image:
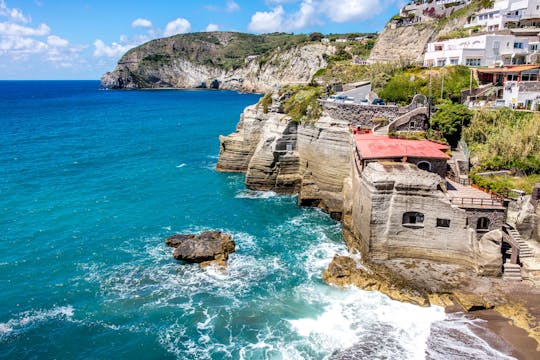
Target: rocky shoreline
[(314, 161)]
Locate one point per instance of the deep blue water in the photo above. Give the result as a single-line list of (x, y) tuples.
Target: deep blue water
[(91, 182)]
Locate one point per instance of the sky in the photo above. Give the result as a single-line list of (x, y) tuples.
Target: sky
[(83, 39)]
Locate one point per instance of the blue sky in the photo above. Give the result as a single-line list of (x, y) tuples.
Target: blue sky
[(82, 39)]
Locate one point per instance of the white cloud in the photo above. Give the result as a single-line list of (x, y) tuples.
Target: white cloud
[(350, 10), (113, 50), (57, 41), (140, 22), (267, 21), (178, 26), (232, 6), (279, 20), (313, 12), (12, 29), (21, 45), (212, 27), (13, 14)]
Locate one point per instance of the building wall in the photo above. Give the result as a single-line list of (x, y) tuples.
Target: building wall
[(381, 199), (360, 115)]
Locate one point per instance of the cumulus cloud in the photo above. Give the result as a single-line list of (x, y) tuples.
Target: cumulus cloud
[(178, 26), (113, 50), (140, 22), (18, 45), (351, 10), (212, 27), (279, 20), (267, 21), (13, 29), (13, 14), (314, 12), (57, 41)]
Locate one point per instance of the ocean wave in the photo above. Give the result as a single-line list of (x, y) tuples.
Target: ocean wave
[(29, 319), (252, 194), (180, 166)]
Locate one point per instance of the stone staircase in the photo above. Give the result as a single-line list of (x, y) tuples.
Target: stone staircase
[(525, 251), (511, 272)]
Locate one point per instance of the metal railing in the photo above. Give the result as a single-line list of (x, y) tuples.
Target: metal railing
[(476, 202), (461, 181)]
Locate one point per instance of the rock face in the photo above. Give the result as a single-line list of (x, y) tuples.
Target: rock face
[(209, 246), (283, 156), (344, 271), (204, 61), (403, 43)]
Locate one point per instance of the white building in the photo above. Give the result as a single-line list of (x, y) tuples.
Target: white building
[(507, 14), (482, 50)]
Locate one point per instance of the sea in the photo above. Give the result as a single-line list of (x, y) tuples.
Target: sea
[(92, 182)]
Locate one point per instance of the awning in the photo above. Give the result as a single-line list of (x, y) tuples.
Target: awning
[(509, 69)]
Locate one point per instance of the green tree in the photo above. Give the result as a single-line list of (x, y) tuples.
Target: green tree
[(449, 120)]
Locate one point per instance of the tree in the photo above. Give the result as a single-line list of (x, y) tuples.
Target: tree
[(315, 36), (450, 120)]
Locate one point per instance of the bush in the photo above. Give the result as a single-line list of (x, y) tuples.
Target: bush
[(449, 120)]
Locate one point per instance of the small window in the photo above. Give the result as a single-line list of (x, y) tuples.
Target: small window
[(483, 224), (443, 222), (413, 218), (424, 165), (518, 45)]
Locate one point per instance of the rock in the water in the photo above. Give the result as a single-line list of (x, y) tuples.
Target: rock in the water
[(209, 246), (344, 270), (175, 240)]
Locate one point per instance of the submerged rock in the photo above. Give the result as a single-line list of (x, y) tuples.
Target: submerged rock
[(209, 246)]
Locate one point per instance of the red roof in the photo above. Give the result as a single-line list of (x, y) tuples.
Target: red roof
[(373, 146)]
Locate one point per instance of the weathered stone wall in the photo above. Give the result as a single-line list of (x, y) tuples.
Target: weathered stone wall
[(384, 192), (438, 166), (360, 115), (496, 218)]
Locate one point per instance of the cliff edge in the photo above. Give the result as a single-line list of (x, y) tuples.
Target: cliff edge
[(220, 60)]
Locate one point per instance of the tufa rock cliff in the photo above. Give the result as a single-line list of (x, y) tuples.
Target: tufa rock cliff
[(220, 60)]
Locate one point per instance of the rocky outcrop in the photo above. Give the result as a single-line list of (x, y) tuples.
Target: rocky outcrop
[(280, 155), (403, 43), (344, 271), (216, 61), (208, 247)]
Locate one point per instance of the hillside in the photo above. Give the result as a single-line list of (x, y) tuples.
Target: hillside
[(223, 60)]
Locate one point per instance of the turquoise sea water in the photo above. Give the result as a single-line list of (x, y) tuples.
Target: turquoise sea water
[(91, 182)]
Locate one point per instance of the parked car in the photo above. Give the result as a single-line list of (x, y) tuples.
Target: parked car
[(378, 102)]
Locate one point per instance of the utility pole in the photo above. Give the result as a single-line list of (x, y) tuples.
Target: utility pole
[(429, 98)]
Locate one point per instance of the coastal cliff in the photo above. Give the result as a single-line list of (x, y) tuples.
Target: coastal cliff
[(278, 154), (220, 60)]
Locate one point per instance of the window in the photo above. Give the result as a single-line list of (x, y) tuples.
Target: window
[(483, 224), (438, 47), (443, 222), (454, 61), (413, 218), (424, 165), (518, 45), (533, 47), (472, 62), (441, 62)]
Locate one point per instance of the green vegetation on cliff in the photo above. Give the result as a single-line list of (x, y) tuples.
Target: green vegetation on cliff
[(301, 102), (505, 139)]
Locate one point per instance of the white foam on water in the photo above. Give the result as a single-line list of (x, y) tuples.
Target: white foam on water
[(180, 166), (252, 194), (29, 319)]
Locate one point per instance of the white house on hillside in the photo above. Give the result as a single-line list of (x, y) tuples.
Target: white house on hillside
[(507, 14), (482, 50)]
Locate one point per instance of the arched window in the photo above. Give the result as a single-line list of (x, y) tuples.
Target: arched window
[(413, 218), (483, 223), (424, 165)]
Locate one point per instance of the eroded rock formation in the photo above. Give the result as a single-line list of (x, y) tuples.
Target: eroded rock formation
[(207, 247)]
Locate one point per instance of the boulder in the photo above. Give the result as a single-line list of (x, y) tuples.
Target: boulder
[(209, 246)]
